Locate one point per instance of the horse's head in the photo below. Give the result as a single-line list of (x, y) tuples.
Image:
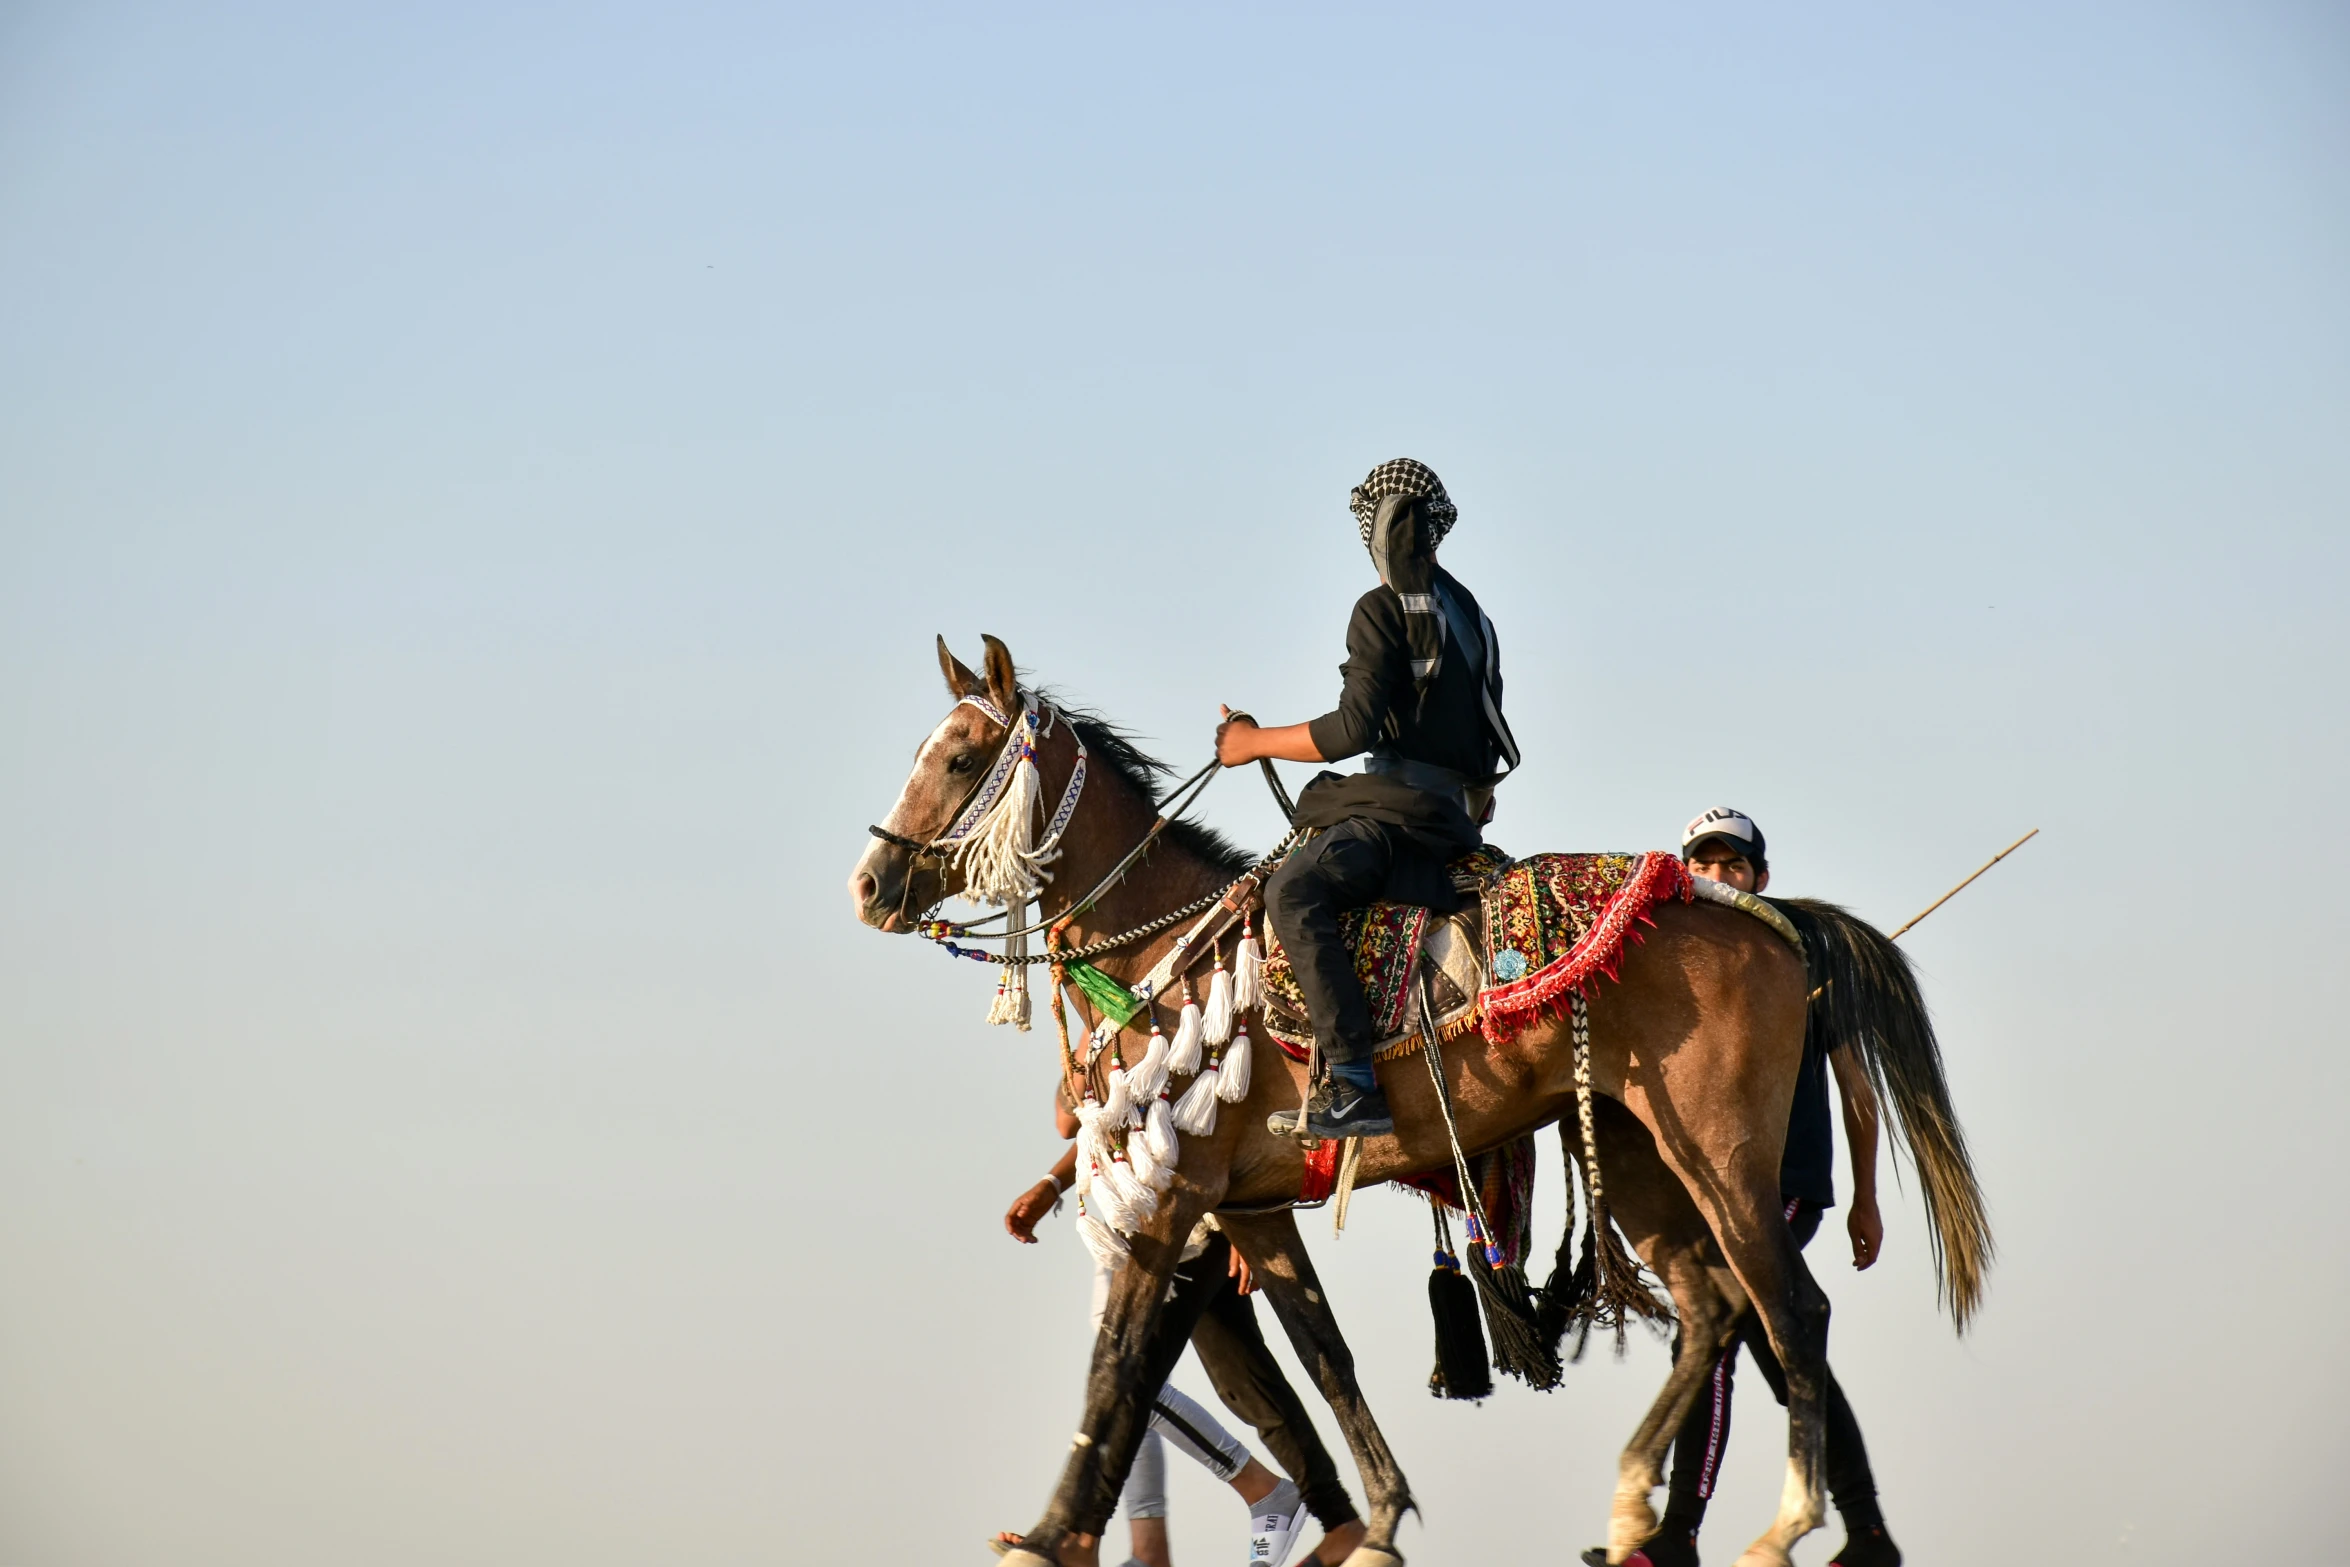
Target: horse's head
[(894, 880)]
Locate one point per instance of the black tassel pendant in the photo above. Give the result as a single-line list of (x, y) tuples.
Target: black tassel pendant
[(1461, 1368), (1518, 1348)]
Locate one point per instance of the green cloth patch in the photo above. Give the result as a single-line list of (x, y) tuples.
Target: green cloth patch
[(1109, 997)]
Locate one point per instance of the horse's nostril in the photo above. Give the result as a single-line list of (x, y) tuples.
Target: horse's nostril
[(864, 889)]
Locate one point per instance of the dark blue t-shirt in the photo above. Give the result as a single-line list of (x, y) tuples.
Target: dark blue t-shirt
[(1808, 1168)]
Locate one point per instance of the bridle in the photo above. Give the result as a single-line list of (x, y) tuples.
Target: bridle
[(1036, 720), (954, 842)]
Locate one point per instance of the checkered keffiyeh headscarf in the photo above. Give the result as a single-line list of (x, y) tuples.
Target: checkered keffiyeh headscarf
[(1403, 476)]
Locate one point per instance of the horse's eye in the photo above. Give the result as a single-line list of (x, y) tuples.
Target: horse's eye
[(961, 764)]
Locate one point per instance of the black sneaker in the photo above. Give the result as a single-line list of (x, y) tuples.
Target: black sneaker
[(1349, 1112)]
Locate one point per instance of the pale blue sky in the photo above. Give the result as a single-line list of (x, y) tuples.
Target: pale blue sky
[(477, 487)]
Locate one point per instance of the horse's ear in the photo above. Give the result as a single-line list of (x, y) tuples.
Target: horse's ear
[(1003, 685), (960, 681)]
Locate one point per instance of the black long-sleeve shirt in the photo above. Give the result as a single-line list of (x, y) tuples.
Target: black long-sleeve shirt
[(1378, 709)]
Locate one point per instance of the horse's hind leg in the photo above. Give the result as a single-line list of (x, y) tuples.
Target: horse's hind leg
[(1743, 1210), (1277, 1255), (1653, 1208), (1797, 1322)]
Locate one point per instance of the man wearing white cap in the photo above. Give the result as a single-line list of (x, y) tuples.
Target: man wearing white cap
[(1725, 845)]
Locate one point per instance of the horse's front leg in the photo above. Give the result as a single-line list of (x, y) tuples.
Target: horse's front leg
[(1128, 1371), (1276, 1253)]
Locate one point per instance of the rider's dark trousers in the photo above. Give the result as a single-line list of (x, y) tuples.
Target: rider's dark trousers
[(1357, 862), (1697, 1450), (1208, 1312)]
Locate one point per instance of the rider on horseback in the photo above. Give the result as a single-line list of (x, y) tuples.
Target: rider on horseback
[(1422, 695)]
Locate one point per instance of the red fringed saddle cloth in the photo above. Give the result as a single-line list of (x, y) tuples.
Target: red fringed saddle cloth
[(1553, 921), (1538, 930)]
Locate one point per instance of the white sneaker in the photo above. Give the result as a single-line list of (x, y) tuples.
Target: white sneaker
[(1272, 1526)]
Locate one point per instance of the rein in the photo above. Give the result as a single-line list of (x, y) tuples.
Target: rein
[(986, 793)]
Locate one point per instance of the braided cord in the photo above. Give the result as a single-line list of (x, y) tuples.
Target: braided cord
[(1581, 1015), (938, 930)]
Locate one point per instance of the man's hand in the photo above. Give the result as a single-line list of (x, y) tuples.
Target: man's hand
[(1030, 1206), (1238, 1268), (1868, 1230), (1235, 739)]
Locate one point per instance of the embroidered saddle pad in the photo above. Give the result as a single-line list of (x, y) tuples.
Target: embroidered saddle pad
[(1537, 930)]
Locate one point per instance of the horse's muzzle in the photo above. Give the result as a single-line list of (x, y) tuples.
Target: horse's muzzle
[(878, 888)]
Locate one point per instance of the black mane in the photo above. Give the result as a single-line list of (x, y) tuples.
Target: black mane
[(1114, 749)]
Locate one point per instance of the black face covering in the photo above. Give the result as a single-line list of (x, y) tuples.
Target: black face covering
[(1407, 563)]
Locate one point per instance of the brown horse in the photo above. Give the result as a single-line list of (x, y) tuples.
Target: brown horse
[(1695, 1052)]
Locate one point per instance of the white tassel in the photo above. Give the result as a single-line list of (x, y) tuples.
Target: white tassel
[(1183, 1057), (1120, 1104), (1150, 1073), (1195, 1112), (1158, 1129), (1011, 989), (1107, 1245), (1139, 1201), (1011, 999), (1234, 1087), (1106, 1200), (1216, 1022), (1248, 971), (1145, 1167), (1089, 1145)]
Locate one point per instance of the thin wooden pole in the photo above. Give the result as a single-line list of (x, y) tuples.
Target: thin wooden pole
[(1952, 893), (1962, 886)]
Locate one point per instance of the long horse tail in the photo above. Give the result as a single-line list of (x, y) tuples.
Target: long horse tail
[(1866, 997)]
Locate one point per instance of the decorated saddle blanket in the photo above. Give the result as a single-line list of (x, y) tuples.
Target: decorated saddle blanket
[(1536, 932)]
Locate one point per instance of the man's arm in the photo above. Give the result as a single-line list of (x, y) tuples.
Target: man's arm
[(1239, 741), (1041, 1199), (1866, 1224)]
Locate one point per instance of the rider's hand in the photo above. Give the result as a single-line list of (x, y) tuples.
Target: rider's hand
[(1238, 1268), (1868, 1230), (1234, 737), (1030, 1206)]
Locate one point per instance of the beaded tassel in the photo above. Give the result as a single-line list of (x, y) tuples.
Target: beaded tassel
[(1150, 1073), (1107, 1245), (1235, 1063), (1248, 970), (1139, 1201), (1120, 1104), (1011, 987), (1146, 1167), (1183, 1057), (1195, 1112), (1216, 1022), (1158, 1130)]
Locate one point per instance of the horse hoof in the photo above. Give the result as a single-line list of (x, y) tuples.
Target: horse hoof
[(1762, 1553), (1631, 1522), (1025, 1559), (1372, 1556)]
